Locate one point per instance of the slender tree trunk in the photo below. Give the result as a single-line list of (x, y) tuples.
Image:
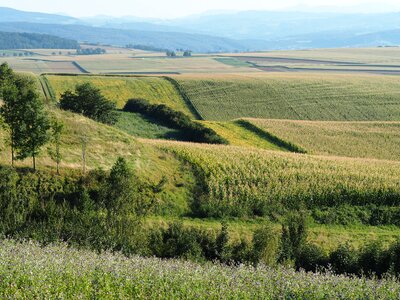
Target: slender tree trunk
[(58, 168), (34, 162)]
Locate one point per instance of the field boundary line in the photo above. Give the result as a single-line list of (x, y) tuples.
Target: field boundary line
[(192, 107)]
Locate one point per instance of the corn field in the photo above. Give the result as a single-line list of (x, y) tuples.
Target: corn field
[(239, 181)]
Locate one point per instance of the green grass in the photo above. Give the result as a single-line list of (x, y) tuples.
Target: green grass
[(232, 62), (244, 181), (328, 237), (238, 135), (140, 126), (379, 140), (297, 96), (56, 271), (121, 89), (104, 145)]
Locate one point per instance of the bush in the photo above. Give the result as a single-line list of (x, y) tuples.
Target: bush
[(344, 260), (89, 101), (265, 245), (294, 235), (311, 258), (192, 131)]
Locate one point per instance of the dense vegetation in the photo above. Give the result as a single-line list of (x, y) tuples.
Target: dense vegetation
[(15, 40), (59, 271), (247, 182), (298, 96), (379, 140), (191, 131), (88, 101)]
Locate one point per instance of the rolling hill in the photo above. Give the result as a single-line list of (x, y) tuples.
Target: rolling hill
[(14, 40)]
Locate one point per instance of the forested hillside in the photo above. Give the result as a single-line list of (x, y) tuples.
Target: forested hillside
[(14, 40)]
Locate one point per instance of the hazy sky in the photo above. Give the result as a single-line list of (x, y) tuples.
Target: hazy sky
[(177, 8)]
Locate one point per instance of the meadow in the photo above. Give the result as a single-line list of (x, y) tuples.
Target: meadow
[(247, 182), (56, 271), (296, 96), (380, 140)]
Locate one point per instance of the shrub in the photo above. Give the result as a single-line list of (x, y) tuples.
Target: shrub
[(89, 101), (344, 260), (265, 245)]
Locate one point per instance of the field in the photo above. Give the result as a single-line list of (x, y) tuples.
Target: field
[(238, 135), (127, 64), (121, 89), (60, 272), (296, 96), (383, 56), (380, 140), (247, 182)]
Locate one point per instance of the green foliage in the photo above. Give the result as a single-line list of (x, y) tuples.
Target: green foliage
[(24, 114), (294, 235), (89, 101), (266, 245), (191, 131)]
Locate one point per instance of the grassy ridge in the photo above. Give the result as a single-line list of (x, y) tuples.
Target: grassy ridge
[(298, 96), (243, 181), (60, 272), (121, 89), (379, 140), (238, 135)]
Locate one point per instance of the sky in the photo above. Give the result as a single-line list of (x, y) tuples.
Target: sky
[(168, 9)]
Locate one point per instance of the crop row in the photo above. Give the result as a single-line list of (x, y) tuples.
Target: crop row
[(295, 96)]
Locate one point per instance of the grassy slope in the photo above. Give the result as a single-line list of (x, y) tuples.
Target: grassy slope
[(379, 140), (297, 96), (120, 89), (137, 125), (105, 144), (239, 136)]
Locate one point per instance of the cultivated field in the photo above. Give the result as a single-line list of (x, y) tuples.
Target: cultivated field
[(383, 56), (297, 96), (379, 140), (243, 181), (134, 65), (121, 89)]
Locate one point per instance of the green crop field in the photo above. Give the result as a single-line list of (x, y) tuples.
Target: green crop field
[(244, 181), (379, 140), (126, 64), (57, 271), (297, 96), (121, 89)]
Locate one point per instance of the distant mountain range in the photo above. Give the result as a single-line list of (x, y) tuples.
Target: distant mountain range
[(228, 31)]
